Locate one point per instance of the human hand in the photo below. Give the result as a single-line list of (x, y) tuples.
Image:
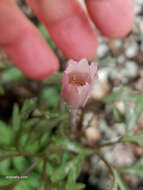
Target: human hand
[(68, 26)]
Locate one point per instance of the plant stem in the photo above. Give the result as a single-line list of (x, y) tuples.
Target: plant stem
[(99, 154), (31, 154), (44, 169)]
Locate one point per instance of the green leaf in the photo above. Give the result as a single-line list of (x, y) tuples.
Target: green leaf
[(60, 173), (4, 183), (23, 185), (74, 173), (13, 74), (6, 134), (115, 186), (16, 118), (30, 124), (69, 145), (136, 169), (30, 147), (118, 182), (138, 108), (131, 115), (50, 170), (116, 96), (19, 119), (116, 114), (58, 186), (135, 115), (122, 94), (51, 96), (33, 180), (56, 78), (41, 127), (46, 35), (54, 114), (7, 155), (75, 166), (27, 108), (76, 186), (19, 163), (4, 167), (134, 139), (127, 116)]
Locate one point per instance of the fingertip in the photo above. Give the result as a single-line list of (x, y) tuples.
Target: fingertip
[(68, 26), (32, 55), (24, 44), (114, 18)]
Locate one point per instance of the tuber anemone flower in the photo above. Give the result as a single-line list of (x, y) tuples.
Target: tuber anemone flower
[(78, 79)]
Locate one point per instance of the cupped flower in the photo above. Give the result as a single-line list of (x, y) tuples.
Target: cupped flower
[(78, 79)]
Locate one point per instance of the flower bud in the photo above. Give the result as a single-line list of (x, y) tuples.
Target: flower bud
[(78, 80)]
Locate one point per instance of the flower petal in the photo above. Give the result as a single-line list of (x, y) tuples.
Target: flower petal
[(78, 80), (71, 96), (71, 66), (83, 66), (84, 94), (93, 70)]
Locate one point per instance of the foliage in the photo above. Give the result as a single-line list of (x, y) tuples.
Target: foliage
[(132, 115), (136, 169), (37, 143), (118, 182), (28, 138)]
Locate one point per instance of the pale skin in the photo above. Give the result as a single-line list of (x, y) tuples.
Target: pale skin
[(69, 27)]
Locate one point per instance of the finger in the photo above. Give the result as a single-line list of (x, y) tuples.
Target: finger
[(23, 43), (114, 18), (68, 26)]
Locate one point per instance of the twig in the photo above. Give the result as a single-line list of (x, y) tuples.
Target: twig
[(99, 154), (31, 154), (44, 169)]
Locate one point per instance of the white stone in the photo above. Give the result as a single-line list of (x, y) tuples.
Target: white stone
[(102, 50), (131, 50)]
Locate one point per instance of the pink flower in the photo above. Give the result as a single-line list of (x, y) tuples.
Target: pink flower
[(78, 80)]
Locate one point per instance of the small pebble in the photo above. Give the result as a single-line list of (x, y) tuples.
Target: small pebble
[(92, 134), (102, 50), (100, 89), (132, 50)]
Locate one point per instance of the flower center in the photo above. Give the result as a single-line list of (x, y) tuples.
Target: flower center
[(77, 80)]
